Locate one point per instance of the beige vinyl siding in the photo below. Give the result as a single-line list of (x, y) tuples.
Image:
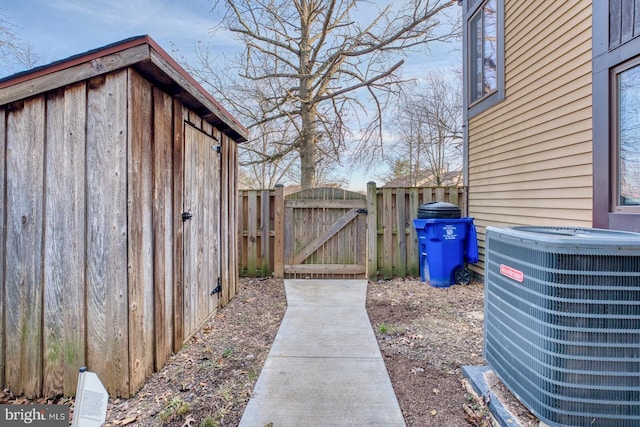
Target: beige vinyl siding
[(530, 156)]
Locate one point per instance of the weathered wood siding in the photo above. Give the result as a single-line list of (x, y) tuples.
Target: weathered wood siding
[(530, 156), (92, 186), (140, 229), (163, 222), (65, 258), (229, 220), (180, 115), (24, 245), (107, 310), (3, 227)]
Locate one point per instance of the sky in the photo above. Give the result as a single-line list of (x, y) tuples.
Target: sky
[(57, 29)]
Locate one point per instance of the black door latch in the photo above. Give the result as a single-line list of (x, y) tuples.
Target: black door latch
[(186, 216), (218, 288)]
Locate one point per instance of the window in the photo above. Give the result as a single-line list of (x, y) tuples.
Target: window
[(483, 52), (616, 114), (627, 135)]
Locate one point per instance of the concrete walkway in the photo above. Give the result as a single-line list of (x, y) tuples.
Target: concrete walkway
[(324, 367)]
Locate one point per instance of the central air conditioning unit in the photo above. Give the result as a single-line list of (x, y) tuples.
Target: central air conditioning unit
[(562, 322)]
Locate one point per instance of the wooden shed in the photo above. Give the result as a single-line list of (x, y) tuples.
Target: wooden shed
[(118, 215)]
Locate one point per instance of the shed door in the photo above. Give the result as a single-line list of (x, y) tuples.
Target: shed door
[(201, 228)]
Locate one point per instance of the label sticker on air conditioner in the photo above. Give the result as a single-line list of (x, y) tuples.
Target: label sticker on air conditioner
[(512, 273)]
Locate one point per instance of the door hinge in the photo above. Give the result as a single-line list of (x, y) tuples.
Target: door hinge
[(217, 289), (362, 211), (216, 148)]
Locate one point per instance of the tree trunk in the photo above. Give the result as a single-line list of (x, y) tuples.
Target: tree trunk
[(308, 136), (308, 162)]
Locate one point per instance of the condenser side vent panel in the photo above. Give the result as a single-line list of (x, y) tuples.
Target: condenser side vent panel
[(562, 322)]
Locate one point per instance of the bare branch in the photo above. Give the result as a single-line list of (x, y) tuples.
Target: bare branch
[(318, 66), (15, 53), (429, 126), (366, 83)]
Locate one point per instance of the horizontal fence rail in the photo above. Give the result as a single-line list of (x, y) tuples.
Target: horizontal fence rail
[(392, 244)]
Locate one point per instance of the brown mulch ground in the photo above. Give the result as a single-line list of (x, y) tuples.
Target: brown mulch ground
[(425, 335)]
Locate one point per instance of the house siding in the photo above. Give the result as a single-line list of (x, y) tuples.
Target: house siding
[(530, 156)]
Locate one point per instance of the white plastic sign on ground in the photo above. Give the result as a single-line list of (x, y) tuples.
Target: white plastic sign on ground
[(91, 401)]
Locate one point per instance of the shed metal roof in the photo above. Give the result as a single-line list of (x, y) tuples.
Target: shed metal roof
[(141, 53)]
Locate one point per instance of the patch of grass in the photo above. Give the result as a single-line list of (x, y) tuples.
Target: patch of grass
[(208, 422), (252, 375), (175, 407), (220, 414), (384, 329), (227, 352), (222, 408), (204, 364), (183, 409), (226, 393)]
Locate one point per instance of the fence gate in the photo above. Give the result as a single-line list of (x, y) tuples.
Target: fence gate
[(325, 234)]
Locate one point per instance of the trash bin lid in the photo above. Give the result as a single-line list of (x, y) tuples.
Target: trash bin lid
[(438, 210)]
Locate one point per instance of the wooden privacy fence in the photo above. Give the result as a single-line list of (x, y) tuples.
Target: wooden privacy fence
[(391, 240)]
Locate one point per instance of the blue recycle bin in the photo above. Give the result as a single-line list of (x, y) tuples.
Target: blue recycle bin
[(445, 245)]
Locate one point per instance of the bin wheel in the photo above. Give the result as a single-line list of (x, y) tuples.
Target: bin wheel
[(462, 276)]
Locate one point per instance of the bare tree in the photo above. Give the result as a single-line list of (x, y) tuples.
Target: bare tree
[(316, 64), (267, 158), (15, 53), (429, 130), (264, 161)]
